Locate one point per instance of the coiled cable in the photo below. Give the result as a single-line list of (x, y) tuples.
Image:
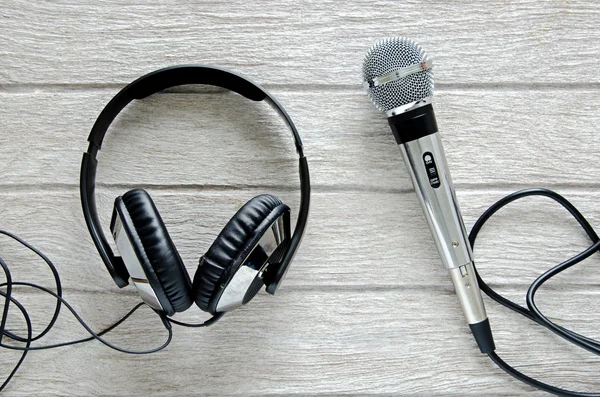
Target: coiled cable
[(532, 311)]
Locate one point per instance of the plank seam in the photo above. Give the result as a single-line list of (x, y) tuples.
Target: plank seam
[(316, 188), (358, 289), (27, 88)]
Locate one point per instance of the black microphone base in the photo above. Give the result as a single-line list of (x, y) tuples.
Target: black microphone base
[(483, 336), (413, 124)]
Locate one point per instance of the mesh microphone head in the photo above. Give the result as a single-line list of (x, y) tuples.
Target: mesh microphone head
[(387, 56)]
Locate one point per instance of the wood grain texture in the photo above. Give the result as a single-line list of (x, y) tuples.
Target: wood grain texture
[(316, 342), (492, 138), (311, 42), (367, 308), (355, 239)]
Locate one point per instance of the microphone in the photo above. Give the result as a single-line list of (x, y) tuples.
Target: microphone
[(399, 81)]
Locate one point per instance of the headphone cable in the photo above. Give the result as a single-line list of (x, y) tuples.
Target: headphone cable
[(60, 301)]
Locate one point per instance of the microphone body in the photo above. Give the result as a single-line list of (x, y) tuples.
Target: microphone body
[(398, 78), (417, 135)]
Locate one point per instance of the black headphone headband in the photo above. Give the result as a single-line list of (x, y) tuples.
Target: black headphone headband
[(150, 84)]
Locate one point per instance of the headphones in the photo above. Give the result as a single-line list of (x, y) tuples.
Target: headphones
[(254, 249)]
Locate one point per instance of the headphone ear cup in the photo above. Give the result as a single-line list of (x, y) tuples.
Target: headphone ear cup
[(158, 256), (230, 249)]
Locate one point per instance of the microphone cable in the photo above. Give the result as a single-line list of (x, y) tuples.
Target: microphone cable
[(532, 312), (9, 299)]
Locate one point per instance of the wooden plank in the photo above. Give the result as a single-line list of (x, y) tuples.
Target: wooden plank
[(315, 342), (308, 42), (353, 238), (492, 138)]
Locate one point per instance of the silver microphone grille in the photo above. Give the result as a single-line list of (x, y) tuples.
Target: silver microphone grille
[(397, 72)]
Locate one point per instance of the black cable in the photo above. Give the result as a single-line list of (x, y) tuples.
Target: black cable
[(9, 298), (60, 301), (88, 329), (532, 312), (57, 283)]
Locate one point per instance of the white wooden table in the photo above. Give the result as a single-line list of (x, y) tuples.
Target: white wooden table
[(367, 308)]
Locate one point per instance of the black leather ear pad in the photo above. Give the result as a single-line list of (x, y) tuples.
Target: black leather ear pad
[(232, 246), (161, 262)]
